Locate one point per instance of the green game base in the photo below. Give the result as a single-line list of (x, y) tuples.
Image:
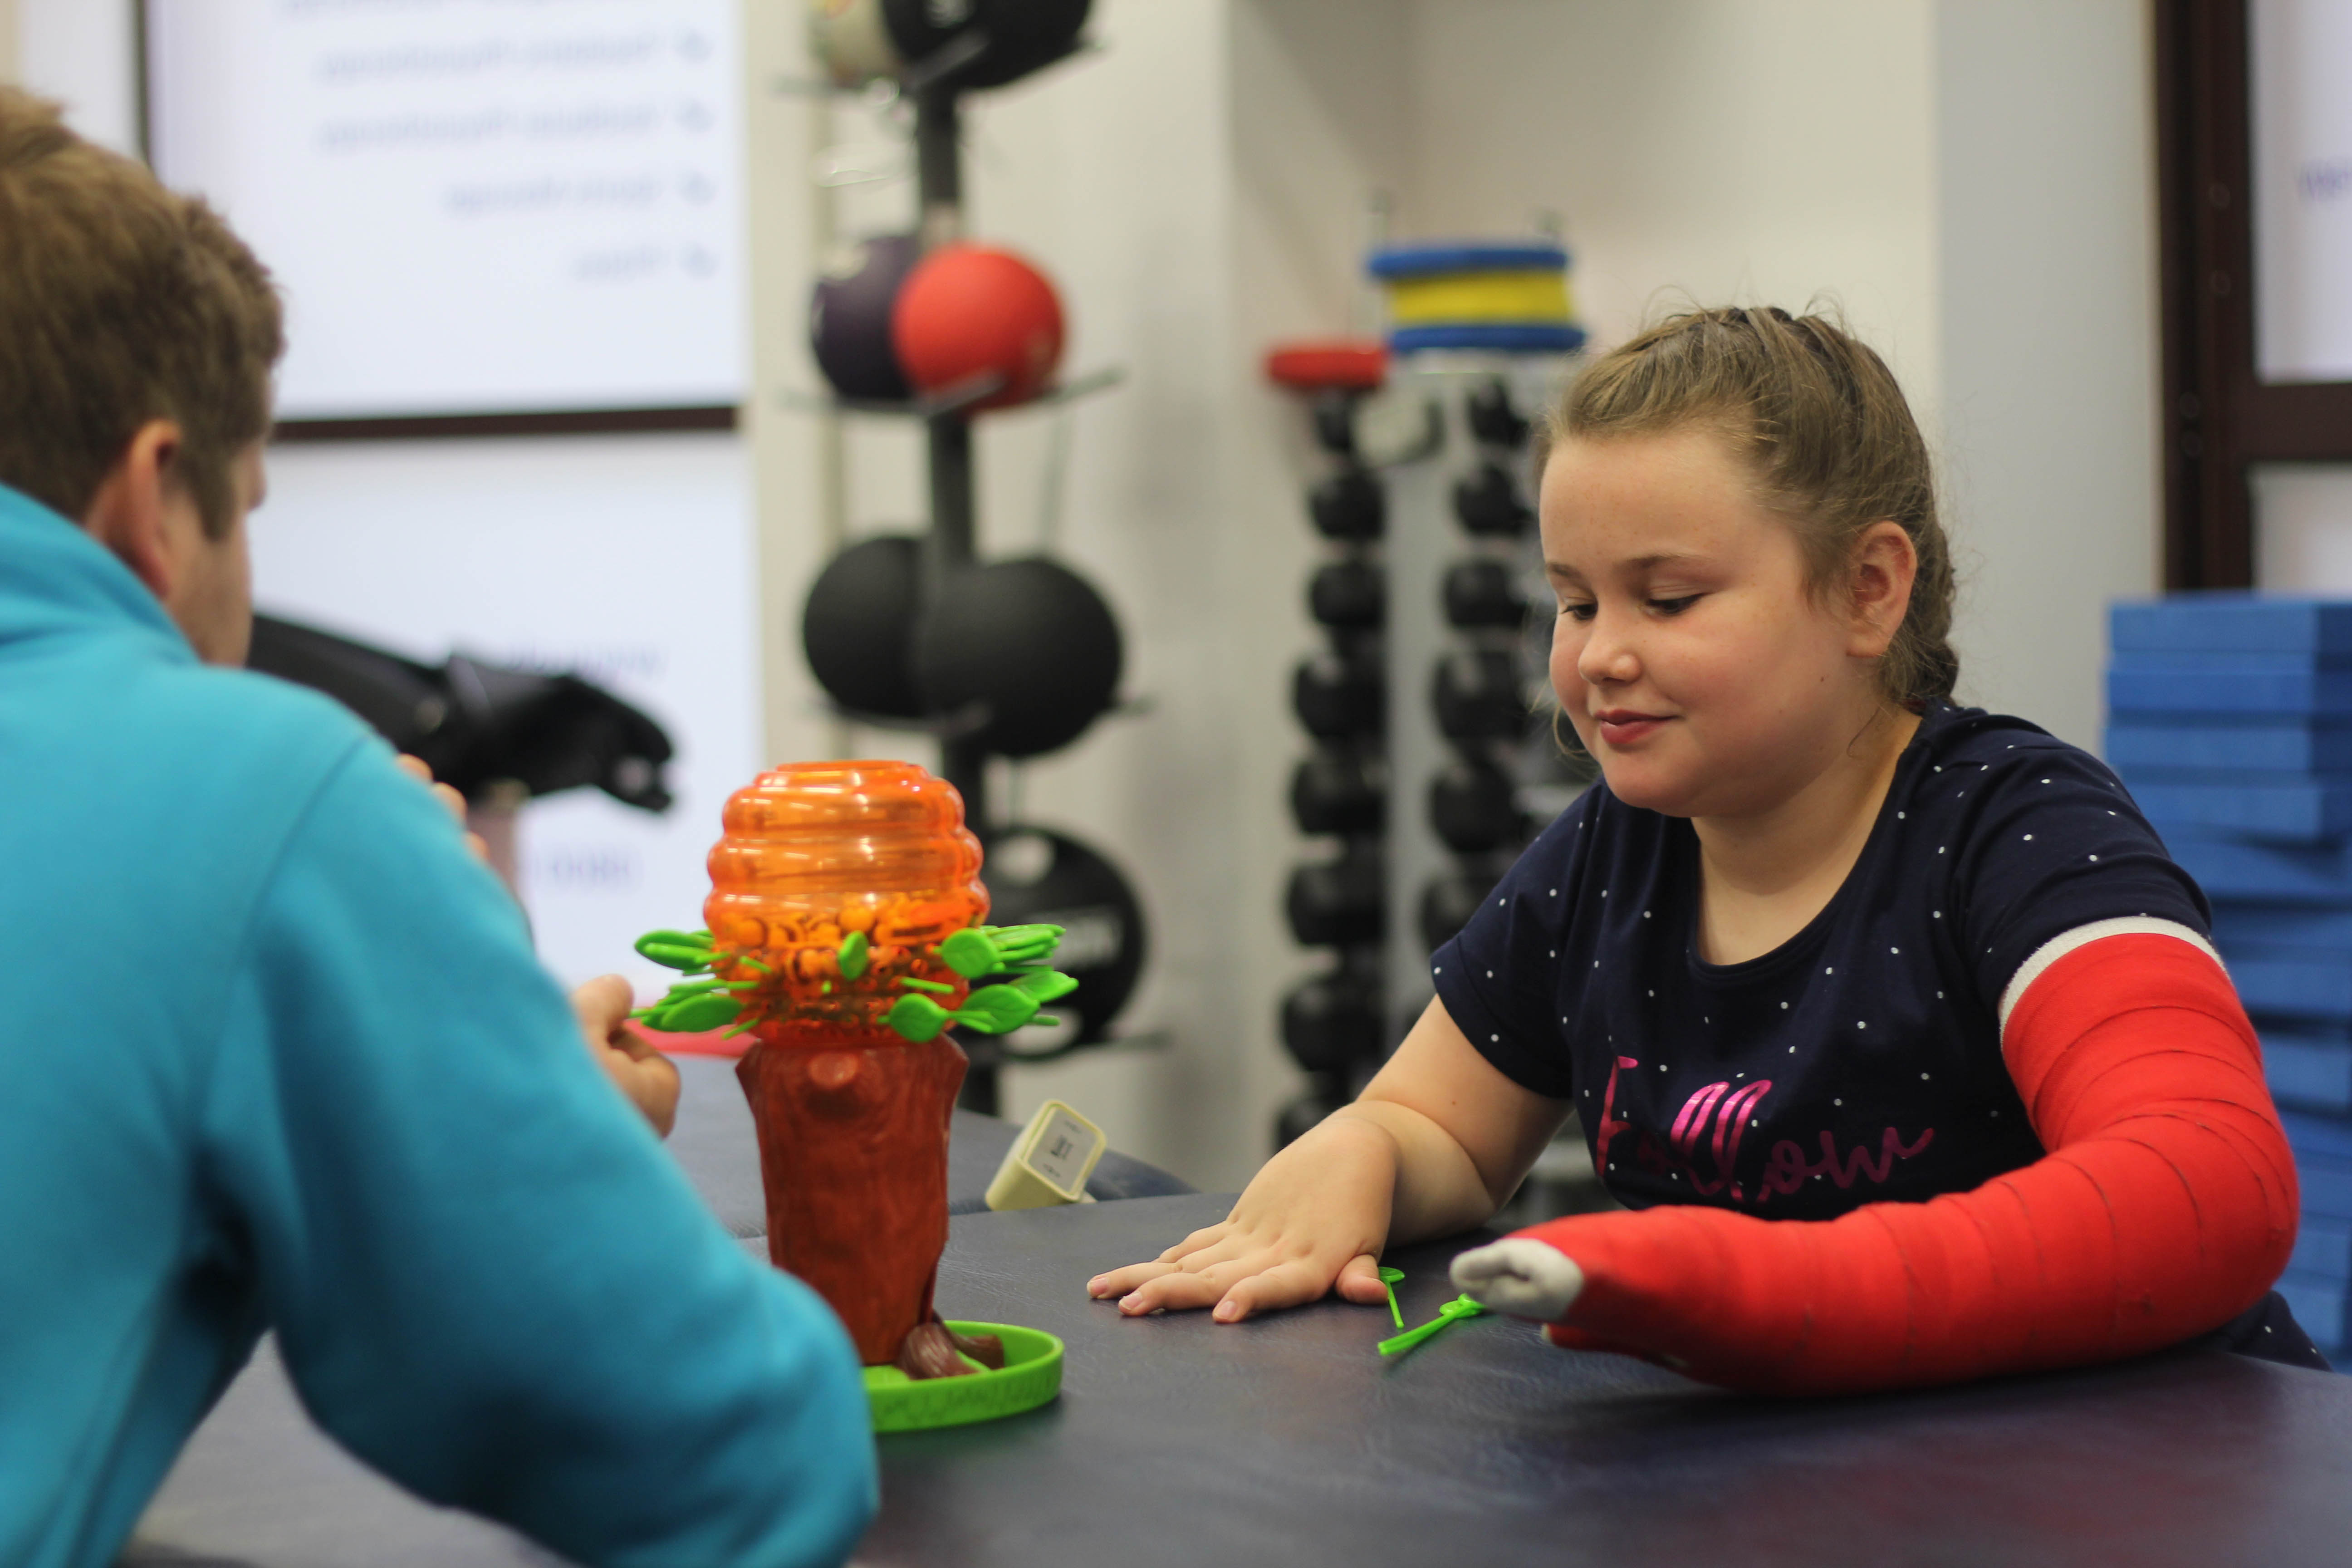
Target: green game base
[(1032, 1375)]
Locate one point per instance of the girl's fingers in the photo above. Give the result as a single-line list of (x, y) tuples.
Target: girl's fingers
[(1270, 1289), (1120, 1281), (1360, 1282)]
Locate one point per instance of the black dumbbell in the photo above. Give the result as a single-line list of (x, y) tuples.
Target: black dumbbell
[(1339, 698), (1492, 420), (1334, 422), (1448, 902), (1299, 1117), (1483, 593), (1338, 902), (1348, 505), (1476, 694), (1486, 502), (1348, 594), (1337, 789), (1472, 807), (1331, 1021)]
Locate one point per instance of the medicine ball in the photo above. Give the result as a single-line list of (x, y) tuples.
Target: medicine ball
[(1486, 502), (1339, 698), (1035, 876), (1476, 694), (1338, 902), (1472, 807), (1330, 1021), (1348, 594), (1015, 37), (1027, 648), (969, 310), (1483, 593), (852, 40), (858, 627), (1448, 902), (850, 314), (1349, 505), (1492, 420), (1337, 789)]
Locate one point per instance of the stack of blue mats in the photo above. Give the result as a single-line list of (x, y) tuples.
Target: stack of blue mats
[(2230, 718)]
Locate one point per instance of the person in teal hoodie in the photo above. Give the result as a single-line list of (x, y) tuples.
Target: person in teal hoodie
[(278, 1056)]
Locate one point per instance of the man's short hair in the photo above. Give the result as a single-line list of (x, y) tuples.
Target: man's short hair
[(120, 303)]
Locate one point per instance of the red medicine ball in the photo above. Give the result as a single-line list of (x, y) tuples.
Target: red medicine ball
[(969, 309)]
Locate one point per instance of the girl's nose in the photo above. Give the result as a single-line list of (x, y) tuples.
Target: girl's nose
[(1607, 656)]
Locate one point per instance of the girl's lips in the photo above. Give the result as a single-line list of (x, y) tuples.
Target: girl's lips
[(1620, 728)]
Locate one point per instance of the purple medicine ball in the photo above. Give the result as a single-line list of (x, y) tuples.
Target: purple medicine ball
[(849, 317)]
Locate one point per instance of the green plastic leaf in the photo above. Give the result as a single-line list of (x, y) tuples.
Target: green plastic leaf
[(1024, 945), (1043, 987), (918, 1018), (692, 1015), (1452, 1312), (997, 1009), (853, 955), (676, 949), (971, 954)]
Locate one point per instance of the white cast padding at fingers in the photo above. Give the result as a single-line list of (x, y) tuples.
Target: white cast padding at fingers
[(1526, 1278)]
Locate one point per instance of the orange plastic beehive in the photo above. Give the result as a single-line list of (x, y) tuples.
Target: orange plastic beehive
[(815, 852)]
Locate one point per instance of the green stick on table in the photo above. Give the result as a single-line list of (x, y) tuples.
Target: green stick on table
[(1453, 1311), (1392, 1278)]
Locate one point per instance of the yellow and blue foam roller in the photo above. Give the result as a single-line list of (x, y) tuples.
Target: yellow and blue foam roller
[(1510, 296)]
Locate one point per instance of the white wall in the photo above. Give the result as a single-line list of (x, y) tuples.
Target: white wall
[(2045, 183), (81, 51)]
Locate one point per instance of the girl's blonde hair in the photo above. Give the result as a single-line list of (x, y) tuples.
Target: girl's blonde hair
[(1818, 420)]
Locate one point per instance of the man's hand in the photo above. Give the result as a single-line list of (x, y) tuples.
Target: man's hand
[(641, 1072), (415, 768), (1312, 1221)]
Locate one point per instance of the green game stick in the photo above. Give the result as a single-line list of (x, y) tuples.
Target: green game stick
[(1392, 1278), (1453, 1311)]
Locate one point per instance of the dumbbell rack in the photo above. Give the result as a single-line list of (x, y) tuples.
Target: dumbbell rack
[(1493, 674)]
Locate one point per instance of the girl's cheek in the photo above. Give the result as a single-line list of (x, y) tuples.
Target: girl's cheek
[(1567, 648)]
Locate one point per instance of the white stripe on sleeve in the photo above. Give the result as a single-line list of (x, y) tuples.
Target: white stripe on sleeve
[(2059, 946)]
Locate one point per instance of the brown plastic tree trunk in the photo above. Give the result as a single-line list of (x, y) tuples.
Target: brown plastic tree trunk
[(853, 1132)]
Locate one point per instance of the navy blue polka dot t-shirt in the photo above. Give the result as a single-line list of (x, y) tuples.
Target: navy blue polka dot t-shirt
[(1858, 1062)]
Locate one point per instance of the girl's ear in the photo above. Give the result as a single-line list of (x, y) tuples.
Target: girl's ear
[(1885, 560)]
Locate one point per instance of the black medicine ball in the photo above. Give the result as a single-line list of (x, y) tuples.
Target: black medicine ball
[(1017, 36), (1026, 648), (1476, 694), (1339, 902), (1348, 505), (858, 628), (1473, 807), (1036, 875), (1351, 595), (1448, 902), (1486, 502), (1338, 789), (849, 317), (1482, 593)]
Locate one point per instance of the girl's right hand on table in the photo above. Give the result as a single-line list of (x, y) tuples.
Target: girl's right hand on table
[(1315, 1217)]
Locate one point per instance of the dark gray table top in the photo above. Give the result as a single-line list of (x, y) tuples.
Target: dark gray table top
[(1180, 1442)]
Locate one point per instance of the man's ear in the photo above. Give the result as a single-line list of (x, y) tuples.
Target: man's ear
[(131, 512), (1885, 562)]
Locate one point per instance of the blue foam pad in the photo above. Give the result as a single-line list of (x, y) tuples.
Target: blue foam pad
[(2323, 1250), (2307, 1072), (2317, 1304), (2298, 813), (2330, 1136), (2233, 868), (2277, 688), (2287, 747), (2235, 621), (2290, 986), (1502, 337), (2321, 936)]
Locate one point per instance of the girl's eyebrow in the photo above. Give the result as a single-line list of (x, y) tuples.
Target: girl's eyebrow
[(1639, 563)]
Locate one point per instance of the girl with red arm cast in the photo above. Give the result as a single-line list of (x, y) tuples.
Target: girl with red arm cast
[(1890, 1021)]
